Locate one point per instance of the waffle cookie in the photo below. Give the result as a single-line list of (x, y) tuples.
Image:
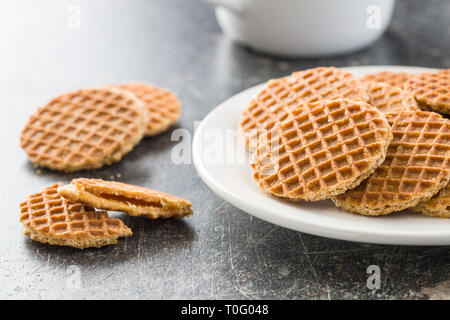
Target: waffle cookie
[(49, 218), (321, 150), (431, 90), (85, 129), (281, 95), (163, 107), (396, 79), (438, 205), (416, 166), (134, 200), (387, 98)]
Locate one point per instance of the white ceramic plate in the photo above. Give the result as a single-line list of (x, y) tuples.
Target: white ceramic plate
[(217, 156)]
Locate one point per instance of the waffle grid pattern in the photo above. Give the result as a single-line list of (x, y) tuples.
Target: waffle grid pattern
[(387, 98), (438, 205), (416, 166), (50, 215), (163, 107), (396, 79), (321, 149), (431, 90), (283, 94), (82, 130)]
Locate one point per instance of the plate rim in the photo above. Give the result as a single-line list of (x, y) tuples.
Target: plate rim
[(336, 232)]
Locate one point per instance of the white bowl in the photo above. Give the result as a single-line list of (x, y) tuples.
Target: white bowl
[(304, 27)]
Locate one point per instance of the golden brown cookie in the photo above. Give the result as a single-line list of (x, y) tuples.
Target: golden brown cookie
[(85, 129), (387, 98), (284, 94), (431, 90), (134, 200), (163, 107), (438, 205), (49, 218), (416, 166), (321, 149), (396, 79)]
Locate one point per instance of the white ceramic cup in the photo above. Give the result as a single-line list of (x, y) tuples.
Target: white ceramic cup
[(304, 27)]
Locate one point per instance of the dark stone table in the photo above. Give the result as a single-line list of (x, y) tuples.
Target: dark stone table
[(220, 252)]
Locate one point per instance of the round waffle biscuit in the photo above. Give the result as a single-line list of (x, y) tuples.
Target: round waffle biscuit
[(283, 94), (117, 196), (85, 129), (387, 98), (163, 107), (321, 149), (416, 166), (431, 90), (396, 79), (49, 218), (438, 205)]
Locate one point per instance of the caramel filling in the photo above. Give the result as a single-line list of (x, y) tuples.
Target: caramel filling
[(127, 200)]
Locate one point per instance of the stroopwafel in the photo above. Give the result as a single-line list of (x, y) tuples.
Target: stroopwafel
[(49, 218), (387, 98), (163, 107), (416, 166), (281, 95), (396, 79), (438, 205), (431, 90), (134, 200), (321, 149), (85, 129)]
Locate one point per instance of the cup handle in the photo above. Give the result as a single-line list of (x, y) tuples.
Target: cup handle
[(233, 5)]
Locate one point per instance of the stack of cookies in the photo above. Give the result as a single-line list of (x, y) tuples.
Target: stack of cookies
[(67, 215), (90, 128), (373, 146)]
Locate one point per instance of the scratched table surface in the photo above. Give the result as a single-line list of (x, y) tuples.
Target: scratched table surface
[(49, 47)]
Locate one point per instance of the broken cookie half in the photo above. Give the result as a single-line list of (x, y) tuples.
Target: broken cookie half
[(134, 200), (49, 218)]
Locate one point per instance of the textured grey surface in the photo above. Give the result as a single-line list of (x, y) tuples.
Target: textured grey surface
[(220, 252)]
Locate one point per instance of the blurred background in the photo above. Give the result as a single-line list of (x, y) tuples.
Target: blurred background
[(178, 44), (50, 47)]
